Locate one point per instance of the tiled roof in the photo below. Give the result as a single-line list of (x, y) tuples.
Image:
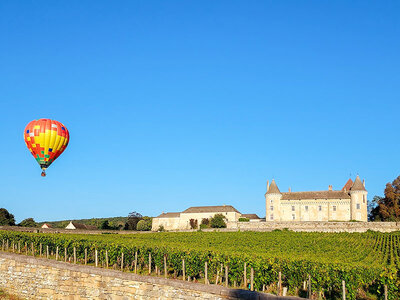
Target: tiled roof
[(250, 216), (348, 185), (315, 195), (170, 215), (273, 188), (206, 209)]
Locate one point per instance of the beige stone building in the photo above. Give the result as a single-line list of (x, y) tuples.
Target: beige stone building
[(176, 220), (349, 203)]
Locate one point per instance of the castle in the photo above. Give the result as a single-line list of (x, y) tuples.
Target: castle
[(349, 203)]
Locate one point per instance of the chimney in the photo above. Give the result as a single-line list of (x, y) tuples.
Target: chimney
[(290, 189), (267, 185), (364, 182), (330, 187)]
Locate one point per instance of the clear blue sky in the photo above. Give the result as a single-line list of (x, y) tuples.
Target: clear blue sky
[(172, 104)]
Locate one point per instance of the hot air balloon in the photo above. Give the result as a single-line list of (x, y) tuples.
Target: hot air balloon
[(46, 139)]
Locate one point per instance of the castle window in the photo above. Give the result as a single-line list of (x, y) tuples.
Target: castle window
[(364, 198), (358, 206), (271, 217), (306, 207), (293, 217), (320, 208), (334, 208), (271, 201), (293, 208), (271, 207)]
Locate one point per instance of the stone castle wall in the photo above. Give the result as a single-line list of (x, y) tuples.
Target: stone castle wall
[(39, 278), (316, 226)]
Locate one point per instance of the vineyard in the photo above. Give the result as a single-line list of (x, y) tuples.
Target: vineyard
[(366, 262)]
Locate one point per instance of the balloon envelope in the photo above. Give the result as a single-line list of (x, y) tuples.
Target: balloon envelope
[(46, 139)]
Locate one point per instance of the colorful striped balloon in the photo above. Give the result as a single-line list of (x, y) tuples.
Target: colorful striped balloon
[(46, 139)]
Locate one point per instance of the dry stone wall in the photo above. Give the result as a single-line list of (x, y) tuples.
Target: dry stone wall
[(38, 278)]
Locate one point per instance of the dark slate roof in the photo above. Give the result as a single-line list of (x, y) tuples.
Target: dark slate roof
[(170, 215), (273, 188), (358, 185), (315, 195), (206, 209), (250, 216)]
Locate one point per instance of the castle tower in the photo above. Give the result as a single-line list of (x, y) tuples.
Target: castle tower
[(358, 207), (272, 202)]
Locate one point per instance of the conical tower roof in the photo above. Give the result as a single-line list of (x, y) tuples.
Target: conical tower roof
[(357, 185), (273, 188)]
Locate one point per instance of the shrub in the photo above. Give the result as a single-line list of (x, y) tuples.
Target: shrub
[(205, 221), (203, 226), (218, 221), (193, 223), (161, 228), (244, 220)]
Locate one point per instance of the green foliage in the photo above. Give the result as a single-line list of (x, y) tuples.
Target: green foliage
[(244, 220), (113, 222), (204, 226), (366, 261), (161, 228), (218, 221), (105, 225), (145, 224), (6, 219), (29, 222)]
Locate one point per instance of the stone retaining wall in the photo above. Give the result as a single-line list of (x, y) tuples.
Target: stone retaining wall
[(316, 226), (39, 278)]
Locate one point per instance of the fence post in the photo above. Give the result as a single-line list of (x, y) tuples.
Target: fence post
[(205, 273), (226, 276), (2, 247), (386, 292), (33, 250), (40, 250), (85, 256), (309, 286), (245, 276), (136, 262), (19, 246), (279, 283), (122, 261), (7, 245), (183, 269), (74, 255), (252, 279), (165, 265), (96, 258), (149, 263), (47, 251), (107, 259), (65, 254), (57, 253), (343, 290), (26, 248)]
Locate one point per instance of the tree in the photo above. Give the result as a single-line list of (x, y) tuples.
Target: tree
[(133, 219), (29, 222), (144, 224), (193, 223), (105, 225), (6, 218), (387, 208), (218, 221)]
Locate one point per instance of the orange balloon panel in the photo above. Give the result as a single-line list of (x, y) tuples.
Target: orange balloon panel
[(46, 139)]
